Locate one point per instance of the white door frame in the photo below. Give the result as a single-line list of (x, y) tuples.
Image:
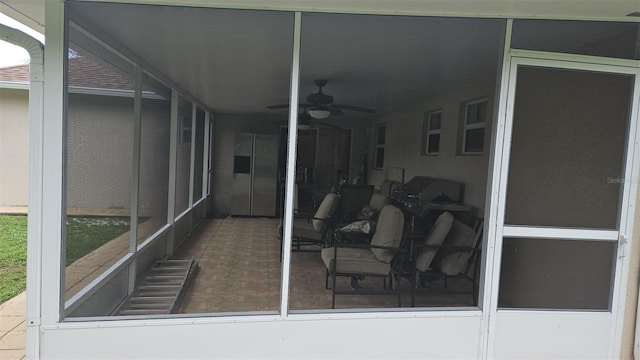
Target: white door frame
[(496, 227)]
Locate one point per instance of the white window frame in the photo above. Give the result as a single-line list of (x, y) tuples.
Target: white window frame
[(379, 146), (473, 126), (429, 117)]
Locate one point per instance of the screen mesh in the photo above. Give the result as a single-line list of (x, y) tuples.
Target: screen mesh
[(568, 143), (154, 157), (99, 144), (556, 274)]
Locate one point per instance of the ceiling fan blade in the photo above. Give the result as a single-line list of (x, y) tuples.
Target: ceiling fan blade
[(327, 125), (334, 111), (304, 117), (354, 108)]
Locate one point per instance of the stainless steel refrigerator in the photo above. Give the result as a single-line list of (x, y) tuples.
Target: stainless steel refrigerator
[(255, 175)]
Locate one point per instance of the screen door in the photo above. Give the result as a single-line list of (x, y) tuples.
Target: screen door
[(564, 200)]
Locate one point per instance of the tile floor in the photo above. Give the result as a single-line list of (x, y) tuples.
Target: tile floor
[(240, 270)]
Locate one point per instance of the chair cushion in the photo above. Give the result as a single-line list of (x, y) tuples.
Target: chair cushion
[(354, 261), (325, 211), (361, 226), (378, 201), (302, 228), (388, 232), (434, 239), (454, 263)]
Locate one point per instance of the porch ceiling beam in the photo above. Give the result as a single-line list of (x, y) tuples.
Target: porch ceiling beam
[(31, 12)]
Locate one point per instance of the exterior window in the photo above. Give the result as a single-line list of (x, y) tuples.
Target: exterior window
[(475, 115), (381, 138), (185, 129), (431, 133)]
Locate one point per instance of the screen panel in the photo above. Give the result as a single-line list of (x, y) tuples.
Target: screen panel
[(556, 274), (154, 157), (598, 38), (568, 148), (99, 155)]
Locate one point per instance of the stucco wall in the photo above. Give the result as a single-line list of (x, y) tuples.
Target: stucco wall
[(14, 147), (100, 153), (404, 140)]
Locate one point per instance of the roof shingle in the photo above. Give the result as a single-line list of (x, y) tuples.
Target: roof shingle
[(83, 73)]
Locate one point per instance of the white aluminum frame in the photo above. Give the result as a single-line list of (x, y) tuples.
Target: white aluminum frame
[(173, 160), (210, 121), (192, 154), (205, 156), (129, 260), (291, 168), (310, 326), (291, 178), (135, 178), (514, 59), (51, 295)]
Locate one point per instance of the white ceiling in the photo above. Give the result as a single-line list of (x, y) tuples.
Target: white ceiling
[(239, 61)]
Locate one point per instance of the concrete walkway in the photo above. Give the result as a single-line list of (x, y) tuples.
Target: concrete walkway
[(12, 328), (13, 313)]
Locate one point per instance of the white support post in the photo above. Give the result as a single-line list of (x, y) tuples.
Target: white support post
[(205, 158), (53, 138), (34, 235), (192, 165), (209, 150), (135, 175), (489, 280), (173, 147), (291, 167)]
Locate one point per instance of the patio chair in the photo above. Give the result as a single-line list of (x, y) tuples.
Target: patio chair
[(377, 259), (450, 250), (362, 225), (352, 199), (315, 230)]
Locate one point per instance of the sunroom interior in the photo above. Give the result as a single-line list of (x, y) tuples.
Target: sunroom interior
[(169, 108)]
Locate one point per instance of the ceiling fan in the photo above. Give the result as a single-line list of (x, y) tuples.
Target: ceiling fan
[(320, 105), (306, 122)]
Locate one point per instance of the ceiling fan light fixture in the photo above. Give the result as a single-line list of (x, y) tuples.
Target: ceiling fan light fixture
[(319, 113)]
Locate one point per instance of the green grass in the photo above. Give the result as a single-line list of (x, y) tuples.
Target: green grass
[(13, 256), (84, 234)]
